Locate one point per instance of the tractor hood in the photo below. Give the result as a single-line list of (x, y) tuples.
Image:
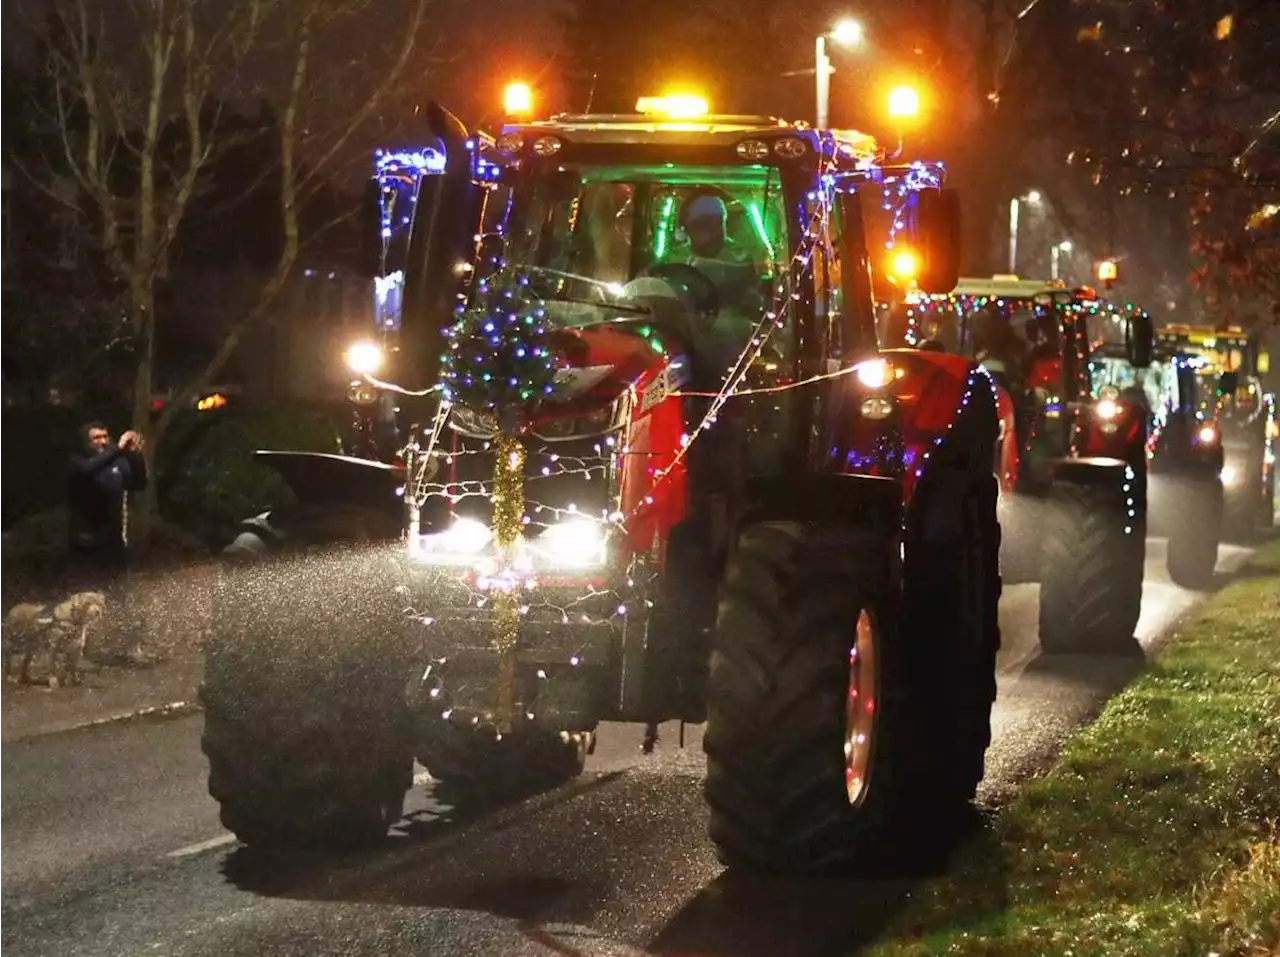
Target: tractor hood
[(596, 366)]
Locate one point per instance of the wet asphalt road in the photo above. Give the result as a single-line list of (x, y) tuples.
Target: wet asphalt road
[(111, 845)]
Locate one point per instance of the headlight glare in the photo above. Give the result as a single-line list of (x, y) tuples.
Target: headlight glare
[(575, 543), (465, 538)]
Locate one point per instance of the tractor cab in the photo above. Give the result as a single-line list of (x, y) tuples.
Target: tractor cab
[(1233, 357), (671, 253), (1231, 364)]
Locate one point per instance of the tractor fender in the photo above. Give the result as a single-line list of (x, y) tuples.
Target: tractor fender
[(943, 406), (323, 479), (1088, 470)]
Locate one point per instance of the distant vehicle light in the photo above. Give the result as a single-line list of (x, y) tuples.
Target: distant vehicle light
[(215, 400), (1208, 434), (1108, 271)]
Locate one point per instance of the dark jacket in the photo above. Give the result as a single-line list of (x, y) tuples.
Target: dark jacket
[(95, 494)]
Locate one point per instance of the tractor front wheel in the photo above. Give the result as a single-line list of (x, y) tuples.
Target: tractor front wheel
[(1194, 535), (1094, 550), (824, 739), (306, 728)]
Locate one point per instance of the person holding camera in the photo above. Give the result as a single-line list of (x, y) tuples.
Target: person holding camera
[(102, 474)]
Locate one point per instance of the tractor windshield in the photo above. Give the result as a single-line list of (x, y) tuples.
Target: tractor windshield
[(1156, 387), (600, 243)]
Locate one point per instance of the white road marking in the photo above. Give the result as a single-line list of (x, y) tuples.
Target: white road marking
[(193, 849)]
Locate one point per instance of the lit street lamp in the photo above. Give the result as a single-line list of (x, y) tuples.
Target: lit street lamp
[(846, 33), (1055, 254), (1032, 197)]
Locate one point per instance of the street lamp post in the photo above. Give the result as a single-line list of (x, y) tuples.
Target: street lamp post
[(822, 64), (1033, 197), (845, 33), (1055, 254)]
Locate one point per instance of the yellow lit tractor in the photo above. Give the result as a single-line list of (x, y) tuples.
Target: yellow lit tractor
[(1232, 364)]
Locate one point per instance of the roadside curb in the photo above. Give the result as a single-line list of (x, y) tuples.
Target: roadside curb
[(173, 709)]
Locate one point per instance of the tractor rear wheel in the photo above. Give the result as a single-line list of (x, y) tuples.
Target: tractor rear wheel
[(307, 731), (827, 736), (1194, 534), (1092, 567)]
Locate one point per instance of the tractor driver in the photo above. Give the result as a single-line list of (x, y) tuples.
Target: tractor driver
[(1000, 350), (732, 269)]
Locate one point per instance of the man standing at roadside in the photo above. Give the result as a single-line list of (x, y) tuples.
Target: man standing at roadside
[(102, 473)]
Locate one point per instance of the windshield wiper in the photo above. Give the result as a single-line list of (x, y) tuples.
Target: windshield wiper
[(602, 304), (608, 303)]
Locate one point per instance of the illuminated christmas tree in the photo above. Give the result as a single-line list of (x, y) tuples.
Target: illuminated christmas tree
[(499, 355)]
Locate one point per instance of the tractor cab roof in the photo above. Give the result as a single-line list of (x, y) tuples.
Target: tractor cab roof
[(707, 138), (1012, 287), (1203, 335)]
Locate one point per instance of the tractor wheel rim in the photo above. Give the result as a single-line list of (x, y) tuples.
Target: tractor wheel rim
[(860, 710)]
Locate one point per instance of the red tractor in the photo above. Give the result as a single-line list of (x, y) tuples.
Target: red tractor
[(1073, 468), (716, 501)]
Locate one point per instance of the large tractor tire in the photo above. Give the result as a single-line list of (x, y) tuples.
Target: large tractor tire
[(307, 731), (1094, 552), (1267, 507), (836, 733), (1243, 505), (1194, 532)]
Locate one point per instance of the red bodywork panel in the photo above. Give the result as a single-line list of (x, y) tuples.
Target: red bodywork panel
[(1045, 374), (1009, 456), (1120, 442), (929, 388), (654, 487)]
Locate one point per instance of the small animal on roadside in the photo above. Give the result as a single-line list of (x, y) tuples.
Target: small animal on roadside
[(60, 630)]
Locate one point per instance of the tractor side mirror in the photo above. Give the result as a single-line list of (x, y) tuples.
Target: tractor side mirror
[(1140, 332), (937, 237), (1228, 382)]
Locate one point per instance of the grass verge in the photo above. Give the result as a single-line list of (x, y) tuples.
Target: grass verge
[(1158, 831)]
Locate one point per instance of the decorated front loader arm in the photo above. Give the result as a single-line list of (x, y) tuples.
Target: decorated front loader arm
[(656, 467)]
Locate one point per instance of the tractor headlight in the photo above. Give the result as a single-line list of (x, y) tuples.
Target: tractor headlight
[(573, 543), (364, 358), (464, 539), (874, 373), (1108, 410)]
